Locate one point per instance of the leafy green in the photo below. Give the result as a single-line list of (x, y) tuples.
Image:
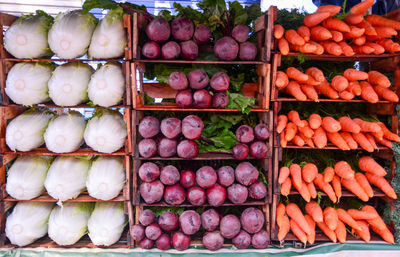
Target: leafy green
[(261, 177), (166, 14), (103, 4), (160, 210), (290, 19), (190, 13), (237, 82), (237, 13), (240, 102)]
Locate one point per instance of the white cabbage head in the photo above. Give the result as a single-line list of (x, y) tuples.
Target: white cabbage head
[(107, 223), (66, 178), (106, 177), (109, 37), (26, 176), (68, 223), (27, 36), (26, 83), (70, 35), (106, 131), (107, 85), (65, 133), (25, 132), (28, 222), (69, 82)]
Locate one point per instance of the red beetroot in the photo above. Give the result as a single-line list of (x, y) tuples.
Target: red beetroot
[(184, 98), (226, 49), (153, 231), (146, 243), (216, 195), (196, 196), (240, 33), (151, 50), (252, 220), (152, 192), (137, 232), (206, 177), (148, 172), (180, 241), (237, 193), (246, 174), (202, 34), (182, 28), (174, 195), (260, 240), (169, 175), (167, 147), (220, 100), (189, 222), (147, 217), (247, 51), (226, 176), (178, 81), (171, 127), (202, 99), (240, 151), (198, 79), (190, 50), (242, 240), (192, 127), (147, 148), (261, 131), (170, 50), (149, 127), (213, 240), (188, 178), (244, 134), (229, 226), (258, 190), (210, 220), (220, 81), (163, 242), (187, 149), (168, 221), (158, 29), (258, 149)]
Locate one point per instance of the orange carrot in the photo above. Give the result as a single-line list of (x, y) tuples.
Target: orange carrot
[(347, 124), (363, 233), (355, 88), (330, 124), (315, 211), (376, 222), (284, 228), (320, 33), (384, 32), (363, 181), (336, 139), (377, 20), (280, 213), (361, 215), (284, 172), (282, 139), (312, 190), (353, 186), (297, 140), (347, 219), (294, 117), (355, 32), (336, 24), (378, 49), (320, 139), (332, 47), (332, 9), (346, 49), (307, 140), (384, 233), (278, 31), (388, 134), (281, 80), (282, 121), (312, 82), (337, 36), (353, 75), (306, 130), (311, 224), (294, 212), (310, 92), (329, 233), (312, 20), (386, 94), (377, 78), (359, 41), (344, 170), (309, 171), (303, 190), (362, 7), (286, 187), (298, 232), (314, 121), (330, 218), (341, 232), (293, 38), (339, 83), (297, 75), (327, 188), (283, 46), (294, 89), (337, 186), (369, 30), (329, 173), (385, 142), (382, 184), (371, 139), (316, 73), (295, 173), (325, 89), (363, 142), (306, 48), (320, 49), (368, 93), (349, 140), (389, 45), (378, 135), (367, 126), (304, 32), (353, 19), (290, 131)]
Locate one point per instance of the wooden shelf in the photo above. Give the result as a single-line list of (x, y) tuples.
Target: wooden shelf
[(173, 107), (355, 58), (200, 61), (287, 99), (328, 147), (51, 105), (81, 198), (63, 60), (204, 156), (164, 204), (83, 151), (321, 237), (345, 193)]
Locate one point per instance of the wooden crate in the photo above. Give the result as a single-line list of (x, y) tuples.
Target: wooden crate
[(7, 64), (197, 238), (6, 20), (83, 197), (263, 27), (8, 113), (124, 242)]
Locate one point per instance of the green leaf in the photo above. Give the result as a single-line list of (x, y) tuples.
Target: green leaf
[(102, 4), (237, 82), (166, 14), (253, 12), (261, 177), (160, 210), (240, 102), (226, 139), (238, 13), (189, 13)]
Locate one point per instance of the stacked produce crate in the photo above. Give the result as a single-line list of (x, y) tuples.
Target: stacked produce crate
[(71, 165), (336, 148)]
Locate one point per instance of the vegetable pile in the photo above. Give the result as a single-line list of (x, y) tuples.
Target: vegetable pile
[(178, 229), (371, 87), (348, 34), (214, 185)]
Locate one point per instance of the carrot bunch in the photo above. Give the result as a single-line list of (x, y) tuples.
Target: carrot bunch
[(345, 133), (332, 222), (322, 33), (306, 179), (371, 87)]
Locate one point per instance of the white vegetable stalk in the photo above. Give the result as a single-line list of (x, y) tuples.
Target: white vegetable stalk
[(65, 133), (106, 131), (109, 37), (107, 223), (70, 35), (25, 132), (106, 177), (67, 224), (107, 85), (68, 84), (66, 178), (28, 222), (26, 177), (27, 36), (26, 83)]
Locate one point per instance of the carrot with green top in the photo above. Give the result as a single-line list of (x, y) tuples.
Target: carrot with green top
[(290, 131), (315, 211), (353, 186), (347, 219), (363, 181), (295, 173), (320, 139), (294, 212), (337, 186), (282, 122), (278, 31), (331, 125), (314, 121), (363, 142), (326, 187), (349, 140), (309, 171), (329, 173), (382, 184)]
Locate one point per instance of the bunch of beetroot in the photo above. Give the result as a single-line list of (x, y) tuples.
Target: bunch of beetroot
[(206, 184), (176, 230), (186, 38), (197, 96), (177, 137), (246, 135)]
